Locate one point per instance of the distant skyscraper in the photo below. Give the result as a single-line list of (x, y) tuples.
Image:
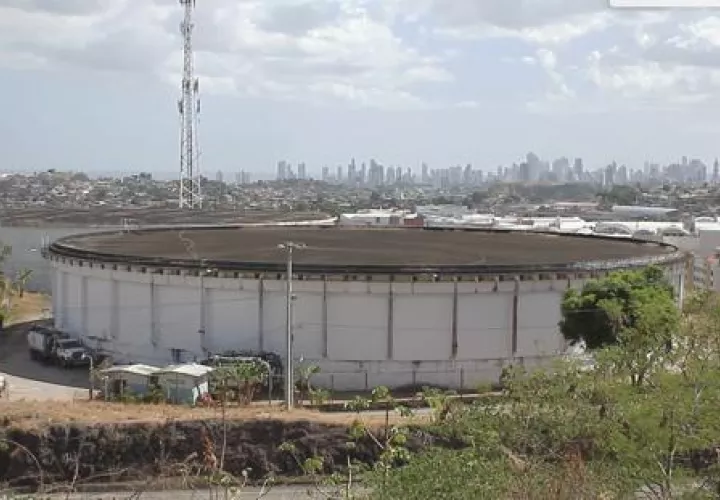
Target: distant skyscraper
[(468, 175), (282, 170), (561, 169), (390, 176), (578, 169), (352, 172), (302, 172), (219, 176)]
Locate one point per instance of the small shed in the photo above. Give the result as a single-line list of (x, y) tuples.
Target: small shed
[(136, 379), (186, 383)]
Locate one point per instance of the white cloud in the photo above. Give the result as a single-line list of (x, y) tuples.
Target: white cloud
[(537, 21), (308, 50), (382, 53), (556, 33), (672, 64)]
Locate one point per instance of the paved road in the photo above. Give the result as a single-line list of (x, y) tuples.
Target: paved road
[(277, 493), (20, 388), (31, 380)]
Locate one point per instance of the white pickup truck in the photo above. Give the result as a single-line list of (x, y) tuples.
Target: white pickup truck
[(49, 345), (70, 352)]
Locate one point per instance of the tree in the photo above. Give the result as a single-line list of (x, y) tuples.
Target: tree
[(239, 381), (529, 442), (641, 424), (7, 287), (21, 279), (618, 308), (567, 433)]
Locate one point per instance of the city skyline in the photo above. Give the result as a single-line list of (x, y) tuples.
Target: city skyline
[(320, 82)]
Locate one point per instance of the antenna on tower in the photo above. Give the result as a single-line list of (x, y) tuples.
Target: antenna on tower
[(189, 107)]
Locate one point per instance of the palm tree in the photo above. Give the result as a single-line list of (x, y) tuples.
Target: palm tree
[(6, 287), (21, 279), (5, 252), (6, 293)]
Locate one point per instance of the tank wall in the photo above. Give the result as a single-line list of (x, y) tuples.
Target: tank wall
[(134, 309), (361, 334), (538, 320)]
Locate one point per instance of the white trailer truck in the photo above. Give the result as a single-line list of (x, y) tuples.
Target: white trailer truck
[(52, 346)]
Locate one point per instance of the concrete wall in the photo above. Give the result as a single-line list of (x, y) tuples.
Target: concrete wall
[(361, 333)]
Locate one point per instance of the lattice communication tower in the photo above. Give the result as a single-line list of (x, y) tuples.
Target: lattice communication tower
[(189, 107)]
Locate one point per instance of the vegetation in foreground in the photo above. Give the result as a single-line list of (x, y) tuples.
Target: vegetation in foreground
[(640, 423)]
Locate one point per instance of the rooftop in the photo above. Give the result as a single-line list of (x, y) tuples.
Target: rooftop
[(138, 369), (333, 247)]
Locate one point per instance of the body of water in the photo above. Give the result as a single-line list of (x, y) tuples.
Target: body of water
[(26, 243)]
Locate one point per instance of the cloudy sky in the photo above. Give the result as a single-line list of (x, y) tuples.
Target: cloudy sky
[(92, 84)]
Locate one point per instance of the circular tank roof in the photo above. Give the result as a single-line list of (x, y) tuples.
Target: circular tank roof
[(338, 249)]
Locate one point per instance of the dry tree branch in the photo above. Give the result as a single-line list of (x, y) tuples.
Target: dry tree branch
[(32, 456)]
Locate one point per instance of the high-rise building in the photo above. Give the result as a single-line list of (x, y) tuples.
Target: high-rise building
[(282, 168), (561, 169), (578, 169), (390, 177), (352, 172)]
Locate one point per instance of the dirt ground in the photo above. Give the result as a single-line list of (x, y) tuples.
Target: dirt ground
[(31, 307), (34, 414)]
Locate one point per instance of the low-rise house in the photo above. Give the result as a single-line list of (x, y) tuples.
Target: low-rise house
[(186, 383), (136, 380)]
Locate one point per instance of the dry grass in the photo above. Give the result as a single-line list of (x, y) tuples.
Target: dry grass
[(30, 307), (35, 414)]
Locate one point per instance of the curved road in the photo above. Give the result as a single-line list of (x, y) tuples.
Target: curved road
[(276, 493), (33, 381)]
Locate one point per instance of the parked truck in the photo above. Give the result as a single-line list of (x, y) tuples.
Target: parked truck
[(52, 346)]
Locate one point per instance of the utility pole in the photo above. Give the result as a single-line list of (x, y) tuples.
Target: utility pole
[(289, 248)]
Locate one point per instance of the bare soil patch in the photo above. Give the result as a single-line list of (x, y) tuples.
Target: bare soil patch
[(31, 307), (329, 246)]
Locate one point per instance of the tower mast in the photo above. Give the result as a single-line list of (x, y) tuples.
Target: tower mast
[(189, 107)]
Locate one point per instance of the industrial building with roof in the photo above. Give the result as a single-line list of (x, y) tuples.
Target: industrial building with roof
[(395, 307)]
